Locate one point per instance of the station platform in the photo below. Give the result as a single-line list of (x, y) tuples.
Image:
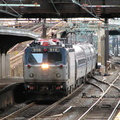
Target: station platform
[(9, 81)]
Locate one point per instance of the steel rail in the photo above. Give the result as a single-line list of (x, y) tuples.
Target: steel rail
[(110, 85), (102, 81), (18, 111), (96, 86), (114, 111), (116, 87)]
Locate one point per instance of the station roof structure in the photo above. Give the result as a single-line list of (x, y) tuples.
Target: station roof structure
[(59, 8), (50, 9), (11, 36)]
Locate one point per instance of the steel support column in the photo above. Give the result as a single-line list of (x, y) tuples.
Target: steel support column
[(117, 46), (7, 65), (0, 66), (4, 66), (101, 38), (106, 42), (44, 29)]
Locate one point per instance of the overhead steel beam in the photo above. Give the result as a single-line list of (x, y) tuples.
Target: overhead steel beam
[(102, 6), (114, 32), (20, 5), (61, 8)]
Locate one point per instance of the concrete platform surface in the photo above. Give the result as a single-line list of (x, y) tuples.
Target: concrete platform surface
[(9, 81)]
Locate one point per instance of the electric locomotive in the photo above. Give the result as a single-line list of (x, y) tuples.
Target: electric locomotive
[(51, 66)]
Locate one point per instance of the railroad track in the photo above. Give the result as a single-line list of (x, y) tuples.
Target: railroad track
[(14, 114), (33, 111), (27, 111), (104, 108)]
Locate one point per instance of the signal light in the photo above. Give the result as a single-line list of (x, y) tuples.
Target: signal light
[(29, 66), (57, 88), (61, 66), (31, 88), (45, 50)]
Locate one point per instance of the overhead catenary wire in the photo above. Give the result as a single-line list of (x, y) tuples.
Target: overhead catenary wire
[(92, 7), (75, 2), (55, 7), (6, 12), (12, 8), (21, 2)]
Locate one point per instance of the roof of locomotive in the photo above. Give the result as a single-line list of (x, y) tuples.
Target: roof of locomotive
[(46, 42), (57, 43)]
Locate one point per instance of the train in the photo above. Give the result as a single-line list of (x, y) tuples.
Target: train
[(51, 66)]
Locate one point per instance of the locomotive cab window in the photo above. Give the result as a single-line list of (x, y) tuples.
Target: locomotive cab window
[(35, 58), (51, 57), (55, 57)]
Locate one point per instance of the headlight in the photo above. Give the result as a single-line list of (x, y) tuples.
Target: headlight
[(45, 66), (58, 75), (31, 75)]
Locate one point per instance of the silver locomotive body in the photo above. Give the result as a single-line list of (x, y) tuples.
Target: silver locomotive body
[(54, 67)]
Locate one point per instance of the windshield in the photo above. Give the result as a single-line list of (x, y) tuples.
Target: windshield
[(54, 57), (37, 58)]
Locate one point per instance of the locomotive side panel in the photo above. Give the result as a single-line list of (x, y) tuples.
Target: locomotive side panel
[(71, 69), (80, 62), (87, 57), (94, 59)]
